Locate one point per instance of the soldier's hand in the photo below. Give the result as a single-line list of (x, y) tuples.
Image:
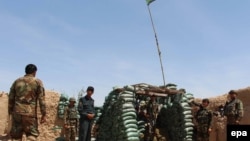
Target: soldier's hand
[(90, 116), (209, 130), (43, 119), (65, 126), (237, 122)]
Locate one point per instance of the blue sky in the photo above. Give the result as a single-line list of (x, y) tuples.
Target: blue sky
[(204, 44)]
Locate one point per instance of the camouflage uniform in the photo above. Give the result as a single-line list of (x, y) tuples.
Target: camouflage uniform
[(204, 120), (25, 94), (71, 121), (152, 112), (234, 111)]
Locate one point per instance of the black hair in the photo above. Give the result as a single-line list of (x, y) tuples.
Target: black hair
[(232, 92), (205, 100), (90, 88), (30, 68)]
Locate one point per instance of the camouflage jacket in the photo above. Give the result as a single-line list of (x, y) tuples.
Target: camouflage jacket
[(70, 114), (25, 93), (204, 117), (234, 108)]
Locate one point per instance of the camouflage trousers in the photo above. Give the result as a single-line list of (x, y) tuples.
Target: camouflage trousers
[(70, 133), (24, 124), (202, 133)]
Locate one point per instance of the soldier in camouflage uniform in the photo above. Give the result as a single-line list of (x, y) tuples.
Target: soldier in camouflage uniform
[(204, 121), (25, 95), (71, 120), (233, 109), (152, 113)]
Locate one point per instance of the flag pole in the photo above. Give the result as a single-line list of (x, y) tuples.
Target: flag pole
[(157, 44)]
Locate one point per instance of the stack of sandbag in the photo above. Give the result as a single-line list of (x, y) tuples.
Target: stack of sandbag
[(63, 102), (118, 120), (176, 117)]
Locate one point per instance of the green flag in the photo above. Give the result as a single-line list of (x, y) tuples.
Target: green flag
[(149, 1)]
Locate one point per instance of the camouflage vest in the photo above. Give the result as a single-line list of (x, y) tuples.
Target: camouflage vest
[(72, 113), (203, 116), (231, 107)]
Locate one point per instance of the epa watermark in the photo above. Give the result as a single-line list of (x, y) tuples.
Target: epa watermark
[(238, 133)]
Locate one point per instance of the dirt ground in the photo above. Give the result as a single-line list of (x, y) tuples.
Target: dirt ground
[(50, 131)]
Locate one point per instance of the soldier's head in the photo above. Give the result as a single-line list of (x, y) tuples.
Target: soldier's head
[(205, 102), (152, 98), (31, 69), (72, 101), (90, 91), (232, 94)]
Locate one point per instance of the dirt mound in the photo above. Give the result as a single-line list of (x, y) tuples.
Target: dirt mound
[(244, 95), (48, 131)]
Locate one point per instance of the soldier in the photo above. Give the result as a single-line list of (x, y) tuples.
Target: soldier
[(70, 120), (219, 125), (25, 94), (152, 113), (233, 109), (152, 108), (87, 113), (204, 120)]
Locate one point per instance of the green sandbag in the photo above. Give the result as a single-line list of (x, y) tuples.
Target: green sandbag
[(187, 129), (64, 97), (127, 92), (131, 121), (184, 104), (187, 108), (190, 133), (127, 106), (128, 100), (131, 130), (128, 118), (129, 88), (141, 130), (188, 116), (126, 96), (133, 139), (141, 122), (129, 114), (132, 134), (187, 113), (131, 126), (188, 120), (128, 110), (189, 124)]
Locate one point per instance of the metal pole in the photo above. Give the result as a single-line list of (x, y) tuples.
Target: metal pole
[(157, 44)]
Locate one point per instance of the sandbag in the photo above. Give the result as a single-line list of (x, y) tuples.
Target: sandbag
[(131, 121), (131, 126), (129, 114)]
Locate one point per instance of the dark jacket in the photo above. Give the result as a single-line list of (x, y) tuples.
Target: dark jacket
[(86, 106)]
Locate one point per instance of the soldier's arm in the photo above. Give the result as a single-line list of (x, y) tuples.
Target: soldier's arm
[(11, 98), (240, 110), (41, 97), (195, 104)]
